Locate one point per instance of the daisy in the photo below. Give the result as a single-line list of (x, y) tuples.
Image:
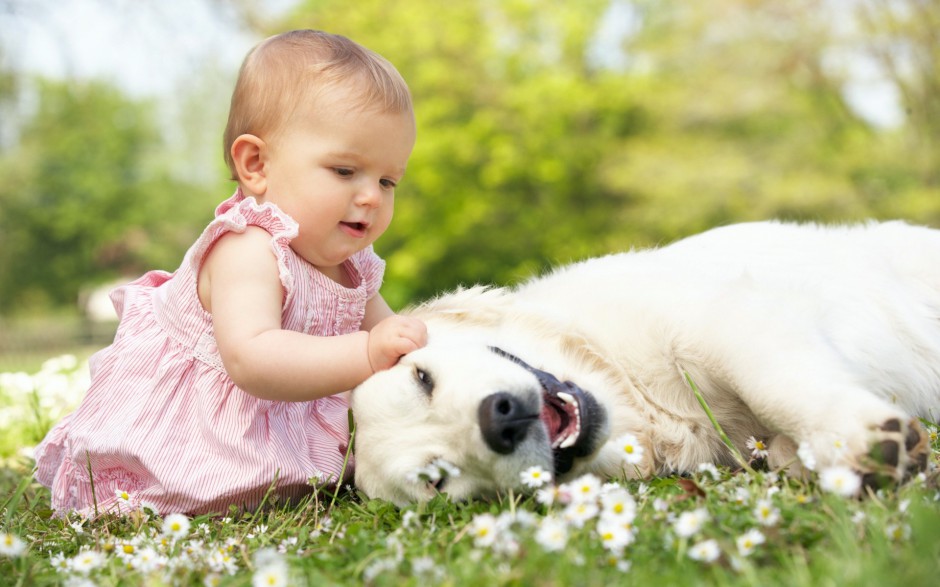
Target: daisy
[(805, 454), (176, 526), (59, 563), (898, 532), (758, 448), (86, 561), (748, 541), (484, 529), (614, 537), (630, 449), (535, 477), (546, 495), (122, 496), (552, 534), (706, 551), (579, 512), (445, 468), (766, 513), (741, 496), (709, 469), (689, 523), (147, 560), (272, 575), (584, 488), (11, 545), (840, 480), (619, 504)]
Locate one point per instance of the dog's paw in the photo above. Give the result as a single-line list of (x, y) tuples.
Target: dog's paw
[(898, 449)]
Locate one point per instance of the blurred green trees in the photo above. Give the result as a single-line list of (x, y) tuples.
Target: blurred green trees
[(82, 200), (540, 141)]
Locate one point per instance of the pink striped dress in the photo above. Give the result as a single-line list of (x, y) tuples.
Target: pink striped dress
[(163, 422)]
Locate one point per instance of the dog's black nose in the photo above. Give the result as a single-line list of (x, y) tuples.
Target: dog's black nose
[(504, 421)]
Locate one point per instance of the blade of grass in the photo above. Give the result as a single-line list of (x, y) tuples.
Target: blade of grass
[(721, 433)]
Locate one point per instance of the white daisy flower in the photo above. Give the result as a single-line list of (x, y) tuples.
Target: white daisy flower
[(60, 563), (485, 530), (706, 551), (552, 534), (446, 468), (584, 488), (271, 575), (840, 480), (547, 495), (748, 541), (897, 532), (614, 537), (630, 449), (689, 523), (618, 503), (806, 456), (122, 496), (11, 545), (709, 469), (758, 448), (579, 512), (535, 477), (176, 526), (766, 513), (86, 561)]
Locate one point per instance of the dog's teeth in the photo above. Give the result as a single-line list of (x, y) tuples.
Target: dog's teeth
[(569, 441), (566, 397)]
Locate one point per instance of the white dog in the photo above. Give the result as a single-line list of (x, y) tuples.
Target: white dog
[(823, 339)]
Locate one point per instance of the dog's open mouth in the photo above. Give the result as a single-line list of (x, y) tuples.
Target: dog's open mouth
[(561, 414), (571, 416)]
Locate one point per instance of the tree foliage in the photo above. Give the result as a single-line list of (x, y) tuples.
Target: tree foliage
[(81, 201), (532, 152), (535, 147)]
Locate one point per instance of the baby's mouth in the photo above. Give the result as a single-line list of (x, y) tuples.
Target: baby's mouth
[(358, 227)]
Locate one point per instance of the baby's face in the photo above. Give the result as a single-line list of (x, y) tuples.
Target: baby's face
[(334, 171)]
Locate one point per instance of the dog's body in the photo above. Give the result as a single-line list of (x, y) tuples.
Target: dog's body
[(795, 335)]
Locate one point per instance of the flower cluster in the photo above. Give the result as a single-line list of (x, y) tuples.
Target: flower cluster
[(169, 548), (43, 397)]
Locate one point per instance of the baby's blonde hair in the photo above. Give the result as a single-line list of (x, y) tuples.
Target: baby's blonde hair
[(283, 70)]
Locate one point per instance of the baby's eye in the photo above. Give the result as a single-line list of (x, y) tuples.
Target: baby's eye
[(388, 184), (343, 171)]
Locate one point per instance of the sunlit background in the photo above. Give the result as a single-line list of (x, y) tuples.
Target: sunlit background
[(549, 130)]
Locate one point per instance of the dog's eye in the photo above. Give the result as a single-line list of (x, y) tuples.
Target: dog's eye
[(424, 378)]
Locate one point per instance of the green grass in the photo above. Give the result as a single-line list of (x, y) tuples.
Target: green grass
[(891, 538), (815, 538)]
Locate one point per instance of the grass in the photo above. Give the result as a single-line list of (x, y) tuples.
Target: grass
[(810, 537)]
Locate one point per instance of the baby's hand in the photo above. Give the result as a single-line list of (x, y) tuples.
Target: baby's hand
[(394, 337)]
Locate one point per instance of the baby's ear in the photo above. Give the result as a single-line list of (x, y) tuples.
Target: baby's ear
[(248, 152)]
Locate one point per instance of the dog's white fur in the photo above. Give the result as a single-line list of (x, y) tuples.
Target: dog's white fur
[(793, 334)]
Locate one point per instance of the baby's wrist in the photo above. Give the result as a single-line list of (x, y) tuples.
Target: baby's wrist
[(368, 338)]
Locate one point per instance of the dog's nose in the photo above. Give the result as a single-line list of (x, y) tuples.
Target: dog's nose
[(504, 421)]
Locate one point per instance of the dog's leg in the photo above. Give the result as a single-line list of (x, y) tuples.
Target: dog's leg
[(799, 386)]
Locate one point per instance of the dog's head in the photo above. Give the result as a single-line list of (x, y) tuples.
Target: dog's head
[(484, 411)]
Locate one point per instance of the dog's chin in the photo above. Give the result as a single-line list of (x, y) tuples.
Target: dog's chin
[(575, 422)]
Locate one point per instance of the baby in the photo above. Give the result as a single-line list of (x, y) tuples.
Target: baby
[(225, 377)]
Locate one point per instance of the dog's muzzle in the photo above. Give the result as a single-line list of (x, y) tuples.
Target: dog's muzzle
[(572, 418)]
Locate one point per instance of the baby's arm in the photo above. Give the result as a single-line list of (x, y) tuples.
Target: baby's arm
[(240, 286)]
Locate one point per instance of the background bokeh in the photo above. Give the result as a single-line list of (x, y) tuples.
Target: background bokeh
[(549, 131)]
